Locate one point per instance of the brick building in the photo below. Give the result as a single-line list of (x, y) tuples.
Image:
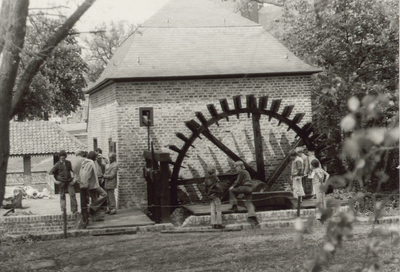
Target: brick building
[(192, 53)]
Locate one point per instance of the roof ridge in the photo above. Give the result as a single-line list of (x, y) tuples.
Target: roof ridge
[(72, 137)]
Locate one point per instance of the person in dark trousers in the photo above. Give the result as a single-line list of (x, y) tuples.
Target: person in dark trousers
[(302, 151), (84, 195), (100, 166), (62, 173), (243, 185), (88, 179), (214, 191), (110, 183)]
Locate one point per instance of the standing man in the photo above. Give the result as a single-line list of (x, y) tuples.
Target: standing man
[(62, 173), (84, 195), (100, 166), (297, 175), (88, 180), (110, 183), (243, 185), (303, 153)]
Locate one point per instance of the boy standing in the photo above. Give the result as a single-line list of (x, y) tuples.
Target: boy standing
[(110, 183), (214, 191), (62, 172)]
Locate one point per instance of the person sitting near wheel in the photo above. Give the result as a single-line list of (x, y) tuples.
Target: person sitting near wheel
[(243, 185)]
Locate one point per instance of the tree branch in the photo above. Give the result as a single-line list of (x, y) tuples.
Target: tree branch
[(44, 52)]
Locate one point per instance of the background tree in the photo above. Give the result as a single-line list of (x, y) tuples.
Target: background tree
[(58, 85), (102, 44), (356, 44), (13, 24)]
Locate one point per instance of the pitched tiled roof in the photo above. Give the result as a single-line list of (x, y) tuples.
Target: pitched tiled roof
[(200, 38), (41, 138)]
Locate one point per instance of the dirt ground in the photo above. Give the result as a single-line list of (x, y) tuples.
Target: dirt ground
[(247, 250)]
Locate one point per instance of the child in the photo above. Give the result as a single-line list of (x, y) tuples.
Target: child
[(319, 178), (214, 191)]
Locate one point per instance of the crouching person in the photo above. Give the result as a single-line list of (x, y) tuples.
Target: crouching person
[(110, 183), (243, 185), (90, 183)]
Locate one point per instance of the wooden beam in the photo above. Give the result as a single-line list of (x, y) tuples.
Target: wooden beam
[(275, 107), (224, 107), (281, 167), (258, 147), (237, 102), (262, 103), (228, 152), (193, 126), (213, 111), (201, 118), (286, 112), (183, 138), (250, 101)]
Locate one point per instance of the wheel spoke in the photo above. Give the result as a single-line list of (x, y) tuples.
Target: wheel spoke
[(227, 151), (258, 147)]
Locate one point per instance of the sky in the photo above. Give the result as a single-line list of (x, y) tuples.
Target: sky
[(133, 11)]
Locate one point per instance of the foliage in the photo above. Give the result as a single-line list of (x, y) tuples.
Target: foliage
[(103, 43), (13, 24), (355, 42), (367, 146), (58, 85)]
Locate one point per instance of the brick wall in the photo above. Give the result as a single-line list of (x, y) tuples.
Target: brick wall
[(103, 120), (175, 102), (35, 224)]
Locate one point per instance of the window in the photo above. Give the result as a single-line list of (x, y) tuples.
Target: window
[(112, 146), (146, 115), (94, 143)]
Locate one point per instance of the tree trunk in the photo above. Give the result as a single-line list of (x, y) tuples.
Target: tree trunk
[(13, 36), (14, 41)]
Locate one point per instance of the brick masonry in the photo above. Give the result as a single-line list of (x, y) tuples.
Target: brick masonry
[(35, 224), (114, 113)]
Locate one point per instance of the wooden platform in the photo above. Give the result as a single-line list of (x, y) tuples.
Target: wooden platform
[(261, 201), (125, 218)]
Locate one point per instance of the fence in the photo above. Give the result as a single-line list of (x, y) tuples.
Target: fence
[(38, 180)]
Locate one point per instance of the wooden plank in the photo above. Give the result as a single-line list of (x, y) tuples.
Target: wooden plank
[(275, 107), (183, 138), (201, 118), (176, 149), (159, 156), (224, 107), (286, 112), (237, 102), (262, 103), (250, 101), (213, 111), (193, 126), (258, 147)]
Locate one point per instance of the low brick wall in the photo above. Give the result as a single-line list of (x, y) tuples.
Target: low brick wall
[(35, 224)]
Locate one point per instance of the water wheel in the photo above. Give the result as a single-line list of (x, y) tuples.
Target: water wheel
[(306, 135)]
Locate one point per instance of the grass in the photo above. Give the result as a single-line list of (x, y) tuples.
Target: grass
[(249, 250)]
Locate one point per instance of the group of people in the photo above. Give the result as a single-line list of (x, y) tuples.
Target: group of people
[(97, 179), (306, 168), (242, 187)]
